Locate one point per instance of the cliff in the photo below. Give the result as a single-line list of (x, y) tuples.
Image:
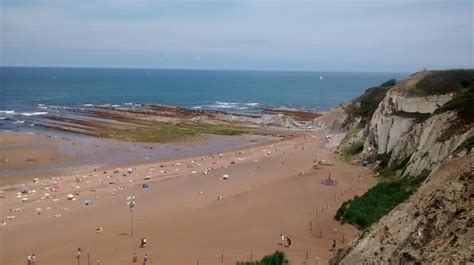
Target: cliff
[(421, 129)]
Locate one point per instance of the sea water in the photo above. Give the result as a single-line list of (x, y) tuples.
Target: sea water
[(34, 91)]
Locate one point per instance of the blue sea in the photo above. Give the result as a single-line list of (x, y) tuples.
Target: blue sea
[(30, 91)]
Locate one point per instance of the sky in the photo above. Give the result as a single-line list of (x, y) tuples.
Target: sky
[(357, 35)]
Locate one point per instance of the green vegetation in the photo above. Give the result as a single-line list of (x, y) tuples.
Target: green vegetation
[(351, 150), (463, 102), (167, 132), (277, 258), (378, 201), (151, 131), (347, 151), (389, 83), (370, 100), (443, 82), (388, 171), (365, 105)]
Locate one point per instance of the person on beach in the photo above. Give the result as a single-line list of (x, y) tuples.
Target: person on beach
[(288, 241), (282, 237), (145, 259), (33, 259), (134, 257), (143, 242), (29, 260), (78, 255), (333, 244)]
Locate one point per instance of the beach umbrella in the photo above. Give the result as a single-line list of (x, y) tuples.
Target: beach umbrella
[(87, 202), (70, 196), (225, 176)]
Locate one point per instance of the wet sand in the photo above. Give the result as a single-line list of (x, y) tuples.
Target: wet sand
[(24, 156), (271, 189)]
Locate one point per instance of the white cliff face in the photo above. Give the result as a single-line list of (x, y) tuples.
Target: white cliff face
[(392, 120), (427, 104), (429, 143)]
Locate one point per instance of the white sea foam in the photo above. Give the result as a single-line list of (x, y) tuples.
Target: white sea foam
[(88, 105), (33, 113), (197, 107), (19, 121), (233, 105), (224, 105), (7, 112)]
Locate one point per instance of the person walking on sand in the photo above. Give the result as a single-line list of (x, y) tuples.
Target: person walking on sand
[(29, 260), (78, 255), (33, 259), (333, 244), (282, 238), (134, 257), (143, 242), (288, 241), (145, 259)]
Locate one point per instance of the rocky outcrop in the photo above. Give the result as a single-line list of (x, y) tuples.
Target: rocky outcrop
[(414, 134), (395, 117), (435, 226), (429, 143), (426, 104)]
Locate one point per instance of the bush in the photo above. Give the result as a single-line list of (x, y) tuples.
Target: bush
[(277, 258), (363, 211)]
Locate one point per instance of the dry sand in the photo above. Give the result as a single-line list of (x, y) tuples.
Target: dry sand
[(266, 194)]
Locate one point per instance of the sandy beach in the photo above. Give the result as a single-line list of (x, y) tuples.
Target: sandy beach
[(189, 212)]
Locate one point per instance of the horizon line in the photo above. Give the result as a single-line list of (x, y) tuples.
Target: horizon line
[(215, 69)]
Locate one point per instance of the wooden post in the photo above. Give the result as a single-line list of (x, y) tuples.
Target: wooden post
[(88, 259)]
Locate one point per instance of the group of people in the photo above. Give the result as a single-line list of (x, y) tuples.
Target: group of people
[(135, 258), (285, 240)]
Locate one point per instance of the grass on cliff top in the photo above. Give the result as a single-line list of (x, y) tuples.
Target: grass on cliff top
[(367, 209), (463, 102), (366, 104), (277, 258), (166, 132), (443, 82)]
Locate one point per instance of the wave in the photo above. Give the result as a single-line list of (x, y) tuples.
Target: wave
[(252, 104), (33, 113), (88, 105), (7, 111), (19, 121), (233, 105)]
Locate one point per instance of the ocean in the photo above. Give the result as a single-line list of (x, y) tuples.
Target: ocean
[(31, 91)]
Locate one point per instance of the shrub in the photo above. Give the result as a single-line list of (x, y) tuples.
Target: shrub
[(367, 209), (277, 258)]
